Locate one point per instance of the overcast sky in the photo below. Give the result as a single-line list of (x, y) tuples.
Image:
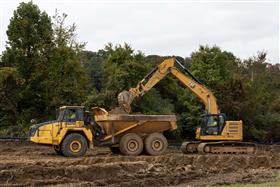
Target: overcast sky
[(169, 28)]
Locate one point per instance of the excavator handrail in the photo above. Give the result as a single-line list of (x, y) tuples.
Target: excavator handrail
[(150, 73), (188, 72)]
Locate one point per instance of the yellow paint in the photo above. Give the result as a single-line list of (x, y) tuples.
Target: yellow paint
[(226, 134), (75, 146), (54, 133), (124, 130)]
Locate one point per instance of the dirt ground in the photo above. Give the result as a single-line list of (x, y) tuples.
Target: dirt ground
[(24, 164)]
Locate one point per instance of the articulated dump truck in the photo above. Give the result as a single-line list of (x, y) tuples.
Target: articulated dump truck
[(76, 130)]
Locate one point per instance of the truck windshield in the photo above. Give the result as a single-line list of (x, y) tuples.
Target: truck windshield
[(61, 115)]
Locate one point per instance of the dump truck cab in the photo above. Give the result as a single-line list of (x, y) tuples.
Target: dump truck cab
[(70, 134)]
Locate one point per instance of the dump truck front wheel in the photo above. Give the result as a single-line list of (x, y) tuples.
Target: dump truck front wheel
[(74, 145), (155, 144), (131, 144)]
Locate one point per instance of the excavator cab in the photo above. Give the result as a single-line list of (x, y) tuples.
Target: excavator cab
[(212, 124)]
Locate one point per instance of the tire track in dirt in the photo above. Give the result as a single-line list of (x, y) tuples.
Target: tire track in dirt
[(28, 165)]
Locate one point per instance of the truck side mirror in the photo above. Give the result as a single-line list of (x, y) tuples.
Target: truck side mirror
[(33, 121), (56, 113)]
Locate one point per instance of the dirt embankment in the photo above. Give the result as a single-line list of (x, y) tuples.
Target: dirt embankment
[(32, 165)]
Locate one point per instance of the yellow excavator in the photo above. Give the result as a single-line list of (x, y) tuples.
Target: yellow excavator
[(215, 134)]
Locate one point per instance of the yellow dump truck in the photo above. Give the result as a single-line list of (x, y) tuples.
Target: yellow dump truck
[(76, 130)]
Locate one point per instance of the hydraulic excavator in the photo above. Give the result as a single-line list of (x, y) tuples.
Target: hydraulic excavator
[(215, 134)]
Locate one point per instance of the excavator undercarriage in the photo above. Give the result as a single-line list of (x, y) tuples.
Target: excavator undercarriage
[(220, 147)]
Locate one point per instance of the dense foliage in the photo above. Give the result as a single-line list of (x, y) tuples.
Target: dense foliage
[(44, 67), (44, 55)]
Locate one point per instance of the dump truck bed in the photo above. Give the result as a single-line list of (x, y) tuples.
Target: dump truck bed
[(119, 124)]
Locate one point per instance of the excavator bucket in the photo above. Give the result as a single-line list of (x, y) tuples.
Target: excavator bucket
[(125, 98)]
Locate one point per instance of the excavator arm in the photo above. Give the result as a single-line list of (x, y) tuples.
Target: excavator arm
[(168, 66)]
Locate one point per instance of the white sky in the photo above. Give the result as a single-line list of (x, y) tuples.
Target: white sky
[(167, 27)]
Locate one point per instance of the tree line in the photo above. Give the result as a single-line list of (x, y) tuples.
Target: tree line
[(44, 67)]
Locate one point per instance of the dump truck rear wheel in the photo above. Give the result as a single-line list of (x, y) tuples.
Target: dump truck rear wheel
[(74, 145), (115, 150), (131, 144), (155, 144), (57, 149)]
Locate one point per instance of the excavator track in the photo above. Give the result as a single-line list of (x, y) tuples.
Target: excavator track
[(221, 147), (189, 147)]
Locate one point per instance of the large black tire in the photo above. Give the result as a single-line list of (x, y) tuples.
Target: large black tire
[(115, 150), (131, 144), (155, 144), (57, 149), (74, 145)]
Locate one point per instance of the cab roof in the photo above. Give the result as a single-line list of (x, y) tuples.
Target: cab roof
[(63, 107)]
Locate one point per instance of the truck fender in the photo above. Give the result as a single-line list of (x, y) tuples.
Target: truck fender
[(84, 131)]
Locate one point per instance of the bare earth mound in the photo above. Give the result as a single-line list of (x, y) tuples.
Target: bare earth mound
[(24, 164)]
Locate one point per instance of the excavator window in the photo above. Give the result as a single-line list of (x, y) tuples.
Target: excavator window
[(213, 124)]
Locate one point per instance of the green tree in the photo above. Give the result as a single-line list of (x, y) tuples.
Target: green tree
[(65, 82), (9, 89), (46, 56), (260, 96), (215, 68), (93, 63), (28, 49)]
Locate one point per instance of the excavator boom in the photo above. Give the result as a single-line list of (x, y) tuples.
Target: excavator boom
[(168, 66)]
